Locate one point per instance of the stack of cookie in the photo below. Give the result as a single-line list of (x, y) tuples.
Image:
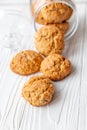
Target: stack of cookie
[(49, 41), (55, 14)]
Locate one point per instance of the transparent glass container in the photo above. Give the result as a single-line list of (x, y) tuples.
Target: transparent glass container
[(14, 30), (38, 5)]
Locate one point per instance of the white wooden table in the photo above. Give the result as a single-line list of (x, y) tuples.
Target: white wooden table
[(68, 111)]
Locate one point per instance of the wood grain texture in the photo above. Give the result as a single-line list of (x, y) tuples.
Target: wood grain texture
[(83, 94), (68, 111)]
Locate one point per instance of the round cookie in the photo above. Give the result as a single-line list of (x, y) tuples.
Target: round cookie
[(62, 26), (38, 90), (48, 40), (55, 67), (56, 12), (26, 62)]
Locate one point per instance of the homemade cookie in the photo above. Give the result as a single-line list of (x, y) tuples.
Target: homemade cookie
[(62, 26), (56, 13), (39, 19), (26, 62), (55, 67), (49, 39), (38, 90)]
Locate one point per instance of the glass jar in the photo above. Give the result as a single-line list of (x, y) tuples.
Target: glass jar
[(38, 5), (14, 30)]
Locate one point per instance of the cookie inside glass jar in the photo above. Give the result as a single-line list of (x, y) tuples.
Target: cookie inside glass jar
[(54, 12)]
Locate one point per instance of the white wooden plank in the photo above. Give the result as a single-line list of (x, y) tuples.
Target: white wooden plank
[(83, 99)]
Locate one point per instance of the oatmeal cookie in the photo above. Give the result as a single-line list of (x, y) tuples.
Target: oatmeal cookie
[(62, 26), (49, 39), (40, 19), (55, 67), (34, 6), (38, 90), (56, 13), (26, 62)]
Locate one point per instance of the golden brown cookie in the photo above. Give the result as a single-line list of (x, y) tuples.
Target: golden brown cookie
[(26, 62), (55, 67), (34, 7), (49, 39), (56, 13), (38, 90), (40, 19), (62, 26)]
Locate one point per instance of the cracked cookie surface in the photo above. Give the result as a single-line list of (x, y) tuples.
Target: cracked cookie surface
[(56, 13), (40, 19), (26, 62), (62, 26), (55, 67), (38, 91), (49, 39)]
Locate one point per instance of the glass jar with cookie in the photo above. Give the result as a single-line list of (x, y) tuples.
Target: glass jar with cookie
[(59, 13)]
